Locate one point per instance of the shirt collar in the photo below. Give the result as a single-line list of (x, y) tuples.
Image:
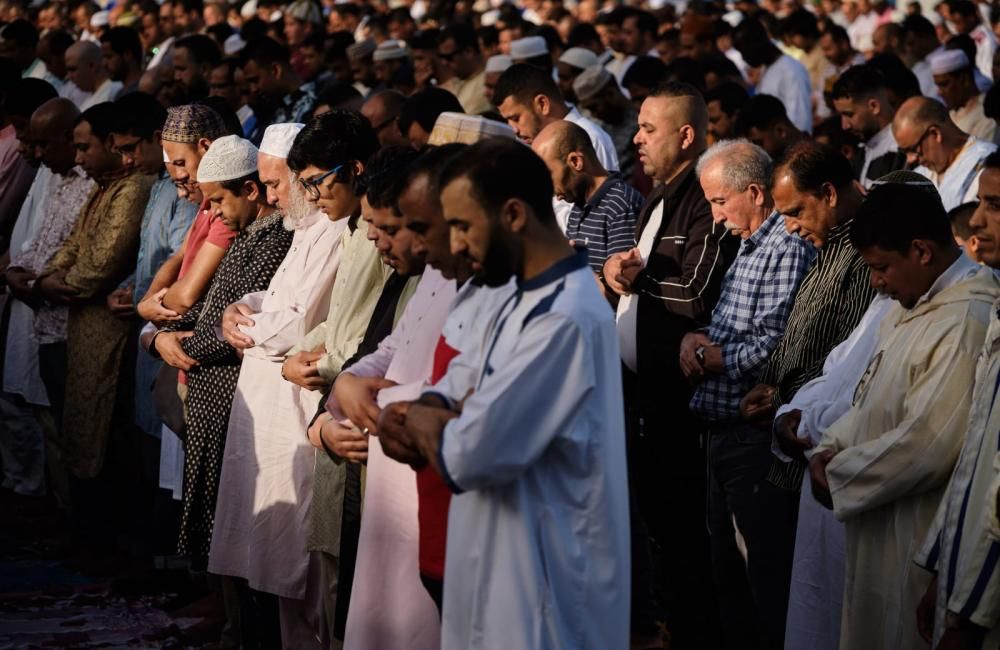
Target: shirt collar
[(839, 232), (603, 189), (960, 270), (563, 267), (880, 139), (762, 234)]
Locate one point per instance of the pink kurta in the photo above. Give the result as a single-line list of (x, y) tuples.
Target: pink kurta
[(261, 516), (389, 606)]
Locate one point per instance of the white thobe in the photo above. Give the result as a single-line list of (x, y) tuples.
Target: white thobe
[(971, 118), (960, 546), (106, 92), (960, 182), (389, 606), (895, 450), (788, 80), (265, 489), (538, 549), (986, 47), (20, 370), (817, 587)]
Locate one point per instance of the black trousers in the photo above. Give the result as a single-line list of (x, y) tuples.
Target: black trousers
[(52, 369), (753, 594)]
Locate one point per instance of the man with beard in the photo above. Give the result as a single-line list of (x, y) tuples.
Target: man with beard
[(194, 57), (535, 422), (862, 100), (228, 178), (121, 50), (264, 441)]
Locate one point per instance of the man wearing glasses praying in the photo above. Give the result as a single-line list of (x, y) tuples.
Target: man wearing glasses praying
[(949, 157)]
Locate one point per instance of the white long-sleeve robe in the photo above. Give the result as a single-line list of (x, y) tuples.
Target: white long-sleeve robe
[(960, 547), (817, 587), (896, 448), (960, 182), (261, 515), (538, 551), (389, 606)]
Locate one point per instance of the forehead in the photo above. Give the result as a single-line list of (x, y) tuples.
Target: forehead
[(989, 181), (82, 132), (212, 190), (783, 190), (458, 200), (271, 168), (178, 150), (382, 216), (310, 170), (876, 256)]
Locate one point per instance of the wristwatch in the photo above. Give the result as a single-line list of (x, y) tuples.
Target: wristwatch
[(699, 354)]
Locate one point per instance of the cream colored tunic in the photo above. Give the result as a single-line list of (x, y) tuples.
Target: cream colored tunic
[(896, 449)]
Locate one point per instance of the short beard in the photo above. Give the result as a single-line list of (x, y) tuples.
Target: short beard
[(298, 207)]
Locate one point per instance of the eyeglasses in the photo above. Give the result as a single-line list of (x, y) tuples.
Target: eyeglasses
[(311, 186), (915, 149)]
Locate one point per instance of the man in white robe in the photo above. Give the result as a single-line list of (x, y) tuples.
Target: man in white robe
[(266, 485), (961, 607), (884, 464), (538, 535), (949, 157)]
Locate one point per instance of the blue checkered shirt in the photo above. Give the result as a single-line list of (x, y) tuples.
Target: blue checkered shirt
[(749, 320)]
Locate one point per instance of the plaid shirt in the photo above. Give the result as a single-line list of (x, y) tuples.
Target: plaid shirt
[(749, 320)]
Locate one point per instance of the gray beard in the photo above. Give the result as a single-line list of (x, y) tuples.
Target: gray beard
[(298, 207)]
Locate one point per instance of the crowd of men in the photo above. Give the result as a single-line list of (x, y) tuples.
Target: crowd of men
[(480, 325)]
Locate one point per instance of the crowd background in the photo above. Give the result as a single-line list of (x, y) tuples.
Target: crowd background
[(245, 280)]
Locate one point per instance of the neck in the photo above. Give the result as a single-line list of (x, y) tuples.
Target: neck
[(593, 181), (679, 168), (953, 143), (761, 215), (544, 245), (849, 202), (559, 110), (771, 55)]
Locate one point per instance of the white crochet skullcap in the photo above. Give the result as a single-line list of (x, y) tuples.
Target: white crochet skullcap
[(498, 63), (579, 57), (528, 47), (948, 61), (278, 139), (391, 49), (230, 157)]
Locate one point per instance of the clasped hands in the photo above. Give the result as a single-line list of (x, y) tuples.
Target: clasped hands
[(621, 269)]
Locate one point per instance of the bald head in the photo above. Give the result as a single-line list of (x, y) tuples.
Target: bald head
[(924, 130), (52, 132), (569, 155), (83, 66), (561, 138), (382, 109), (920, 112)]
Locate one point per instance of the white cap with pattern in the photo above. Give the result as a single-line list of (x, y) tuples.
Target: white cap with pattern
[(278, 139), (229, 158)]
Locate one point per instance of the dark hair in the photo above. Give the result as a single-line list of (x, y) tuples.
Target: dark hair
[(253, 29), (721, 66), (964, 43), (963, 7), (431, 162), (894, 214), (226, 112), (25, 96), (801, 23), (837, 33), (219, 32), (992, 161), (959, 218), (687, 71), (425, 106), (899, 79), (381, 180), (21, 32), (265, 52), (832, 128), (760, 112), (235, 185), (858, 82), (488, 34), (124, 40), (336, 94), (10, 74), (425, 39), (582, 35), (523, 81), (347, 9), (676, 89), (463, 34), (202, 48), (991, 103), (400, 15), (189, 5), (730, 95), (552, 40), (59, 41), (101, 118), (644, 21), (647, 71), (812, 165), (918, 26), (332, 139), (139, 114), (500, 169)]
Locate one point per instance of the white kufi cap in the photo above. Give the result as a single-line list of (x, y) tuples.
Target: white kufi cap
[(948, 61), (579, 57), (528, 47), (230, 157), (498, 63), (278, 139)]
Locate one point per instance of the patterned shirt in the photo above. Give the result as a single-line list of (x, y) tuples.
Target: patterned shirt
[(296, 104), (749, 320), (69, 194), (605, 224)]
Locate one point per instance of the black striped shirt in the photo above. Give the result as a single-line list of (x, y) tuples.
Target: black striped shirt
[(605, 224)]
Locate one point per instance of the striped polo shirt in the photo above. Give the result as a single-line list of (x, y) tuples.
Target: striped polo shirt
[(605, 224)]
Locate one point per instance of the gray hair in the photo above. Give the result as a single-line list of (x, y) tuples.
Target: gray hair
[(746, 163), (298, 207)]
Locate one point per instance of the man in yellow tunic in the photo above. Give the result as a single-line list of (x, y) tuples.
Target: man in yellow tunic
[(885, 462), (99, 253)]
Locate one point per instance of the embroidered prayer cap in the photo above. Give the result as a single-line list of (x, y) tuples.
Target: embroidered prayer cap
[(528, 47), (233, 44), (189, 123), (390, 50), (229, 158), (361, 50), (459, 128), (948, 61), (278, 139), (305, 10), (579, 57), (590, 82), (498, 63)]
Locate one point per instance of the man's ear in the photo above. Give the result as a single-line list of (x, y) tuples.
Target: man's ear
[(203, 145), (830, 194), (251, 190), (277, 71), (875, 106), (923, 250), (575, 161), (757, 194), (514, 215), (541, 104), (687, 136)]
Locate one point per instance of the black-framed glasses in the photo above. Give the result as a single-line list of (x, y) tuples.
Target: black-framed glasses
[(311, 186), (915, 149)]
